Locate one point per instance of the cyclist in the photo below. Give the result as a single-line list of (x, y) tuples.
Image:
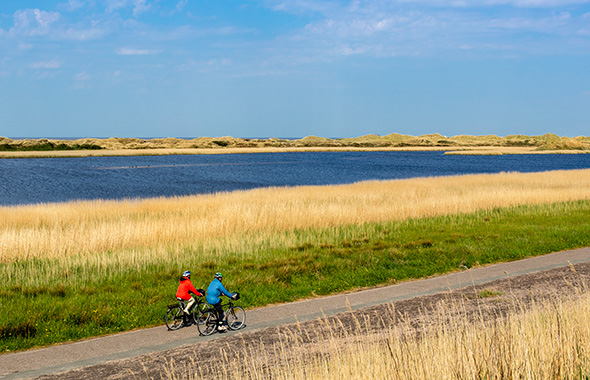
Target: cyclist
[(185, 288), (214, 291)]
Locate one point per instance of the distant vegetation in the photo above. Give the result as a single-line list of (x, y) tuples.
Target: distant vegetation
[(45, 145), (543, 142)]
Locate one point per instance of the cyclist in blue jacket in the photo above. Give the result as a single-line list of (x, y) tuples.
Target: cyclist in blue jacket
[(214, 291)]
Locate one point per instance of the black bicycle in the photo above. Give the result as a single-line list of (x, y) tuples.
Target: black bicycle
[(234, 317), (176, 318)]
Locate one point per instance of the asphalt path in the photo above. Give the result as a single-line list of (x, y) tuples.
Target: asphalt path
[(69, 356)]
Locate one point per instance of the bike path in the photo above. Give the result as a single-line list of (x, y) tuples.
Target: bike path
[(69, 356)]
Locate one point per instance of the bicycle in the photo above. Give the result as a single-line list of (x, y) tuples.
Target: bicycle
[(176, 318), (234, 317)]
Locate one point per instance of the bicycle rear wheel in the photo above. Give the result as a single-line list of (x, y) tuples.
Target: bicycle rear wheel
[(174, 318), (207, 322), (235, 318)]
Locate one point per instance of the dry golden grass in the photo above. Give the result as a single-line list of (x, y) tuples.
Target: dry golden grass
[(501, 150), (548, 341), (140, 230)]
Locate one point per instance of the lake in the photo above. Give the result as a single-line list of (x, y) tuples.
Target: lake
[(42, 180)]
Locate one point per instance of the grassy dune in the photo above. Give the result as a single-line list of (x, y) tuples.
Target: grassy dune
[(89, 268), (489, 144)]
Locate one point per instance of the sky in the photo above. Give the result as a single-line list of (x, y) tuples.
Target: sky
[(277, 68)]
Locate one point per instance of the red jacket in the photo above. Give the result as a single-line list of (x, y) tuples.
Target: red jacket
[(186, 286)]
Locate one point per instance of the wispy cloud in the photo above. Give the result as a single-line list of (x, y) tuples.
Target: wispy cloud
[(128, 51), (49, 65), (33, 22), (488, 3), (138, 6), (418, 27), (71, 5), (82, 80)]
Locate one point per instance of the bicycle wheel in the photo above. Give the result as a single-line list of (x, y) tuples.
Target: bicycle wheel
[(207, 322), (198, 313), (174, 318), (235, 317)]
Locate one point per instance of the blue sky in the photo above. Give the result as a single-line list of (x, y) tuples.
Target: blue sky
[(272, 68)]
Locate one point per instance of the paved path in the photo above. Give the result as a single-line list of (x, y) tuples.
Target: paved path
[(33, 363)]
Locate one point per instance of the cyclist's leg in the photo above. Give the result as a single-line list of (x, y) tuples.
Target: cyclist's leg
[(219, 310), (181, 303), (189, 304)]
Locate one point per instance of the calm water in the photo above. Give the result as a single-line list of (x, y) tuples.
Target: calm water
[(26, 181)]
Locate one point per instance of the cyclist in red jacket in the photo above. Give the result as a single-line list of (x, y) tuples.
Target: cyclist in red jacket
[(185, 288)]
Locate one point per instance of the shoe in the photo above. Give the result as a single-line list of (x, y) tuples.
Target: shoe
[(221, 328)]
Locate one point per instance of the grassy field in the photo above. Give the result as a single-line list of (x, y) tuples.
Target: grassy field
[(89, 268)]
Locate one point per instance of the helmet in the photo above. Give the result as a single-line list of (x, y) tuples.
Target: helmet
[(218, 276), (186, 273)]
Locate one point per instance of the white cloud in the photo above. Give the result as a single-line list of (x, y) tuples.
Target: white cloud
[(540, 3), (83, 33), (426, 27), (49, 65), (539, 24), (486, 3), (113, 5), (180, 5), (139, 6), (82, 80), (71, 5), (128, 51), (82, 77), (303, 6), (23, 46), (33, 22)]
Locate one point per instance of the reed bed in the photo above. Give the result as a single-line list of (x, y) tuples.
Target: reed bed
[(154, 227), (548, 340)]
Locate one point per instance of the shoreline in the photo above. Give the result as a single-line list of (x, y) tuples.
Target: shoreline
[(456, 150)]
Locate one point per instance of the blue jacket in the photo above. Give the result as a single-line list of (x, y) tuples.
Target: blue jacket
[(214, 290)]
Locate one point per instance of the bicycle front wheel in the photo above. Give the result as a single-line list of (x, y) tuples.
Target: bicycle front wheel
[(235, 318), (174, 318), (198, 311), (207, 322)]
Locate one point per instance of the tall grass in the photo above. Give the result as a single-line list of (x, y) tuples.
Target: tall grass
[(547, 341), (151, 226)]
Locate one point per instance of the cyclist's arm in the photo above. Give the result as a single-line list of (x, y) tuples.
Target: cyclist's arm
[(192, 289), (224, 291)]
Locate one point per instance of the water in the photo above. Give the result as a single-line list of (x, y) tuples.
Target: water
[(42, 180)]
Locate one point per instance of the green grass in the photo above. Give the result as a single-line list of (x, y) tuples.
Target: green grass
[(324, 262)]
